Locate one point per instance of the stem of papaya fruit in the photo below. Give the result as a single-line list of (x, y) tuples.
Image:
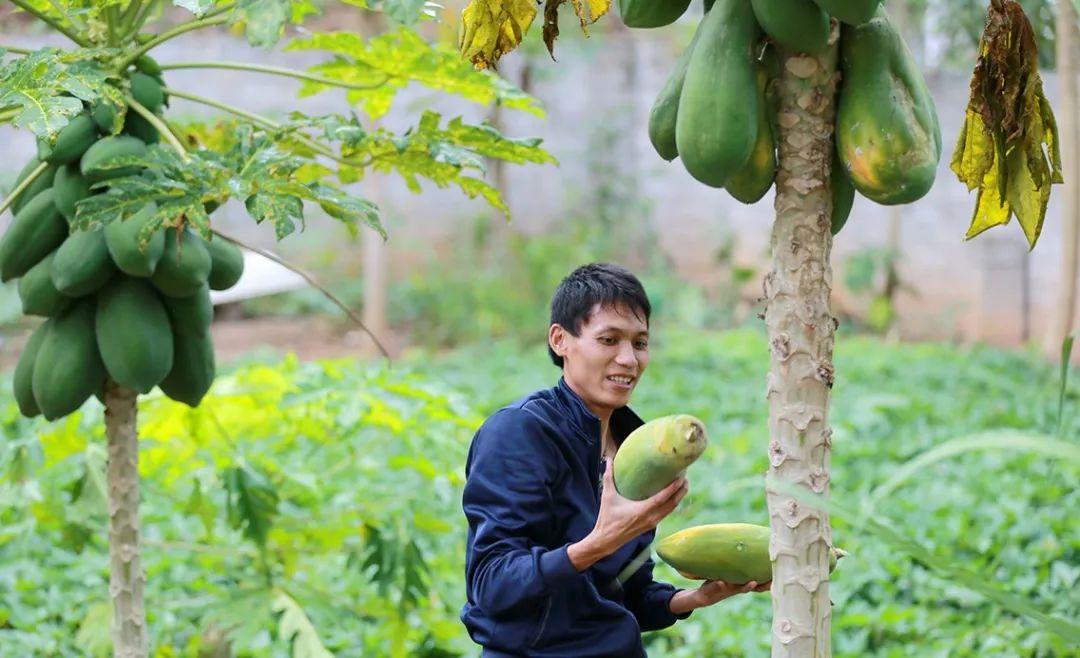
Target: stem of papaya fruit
[(40, 169), (160, 126), (170, 34)]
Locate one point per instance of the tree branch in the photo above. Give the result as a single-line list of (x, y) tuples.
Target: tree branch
[(23, 185), (312, 281), (56, 25), (169, 34), (274, 70), (160, 126)]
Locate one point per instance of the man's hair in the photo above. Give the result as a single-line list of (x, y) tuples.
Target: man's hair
[(605, 284)]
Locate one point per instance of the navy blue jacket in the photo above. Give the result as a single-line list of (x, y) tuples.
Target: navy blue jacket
[(531, 490)]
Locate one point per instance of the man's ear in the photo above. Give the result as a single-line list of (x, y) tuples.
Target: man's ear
[(557, 339)]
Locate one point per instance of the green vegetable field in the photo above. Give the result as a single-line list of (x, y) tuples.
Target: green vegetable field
[(333, 515)]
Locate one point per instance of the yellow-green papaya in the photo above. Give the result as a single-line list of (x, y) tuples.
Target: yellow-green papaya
[(651, 13), (843, 194), (852, 12), (799, 25), (716, 128), (887, 128), (133, 333), (657, 453), (22, 381), (37, 229), (735, 553), (68, 368), (665, 109), (755, 178)]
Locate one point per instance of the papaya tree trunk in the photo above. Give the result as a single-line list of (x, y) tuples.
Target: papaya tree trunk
[(126, 578), (800, 331)]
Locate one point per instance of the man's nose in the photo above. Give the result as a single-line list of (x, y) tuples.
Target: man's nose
[(626, 355)]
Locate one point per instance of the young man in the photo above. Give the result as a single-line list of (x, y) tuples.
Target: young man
[(550, 567)]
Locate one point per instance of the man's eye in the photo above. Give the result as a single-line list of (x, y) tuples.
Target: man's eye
[(641, 345), (607, 340)]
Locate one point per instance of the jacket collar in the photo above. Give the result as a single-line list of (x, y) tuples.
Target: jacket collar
[(623, 420)]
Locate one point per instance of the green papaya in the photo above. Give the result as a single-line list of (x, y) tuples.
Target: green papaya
[(191, 315), (147, 91), (798, 25), (755, 178), (852, 12), (137, 126), (735, 553), (133, 333), (23, 379), (69, 188), (665, 110), (226, 264), (148, 65), (82, 264), (192, 373), (37, 292), (657, 453), (43, 182), (95, 162), (37, 229), (843, 195), (122, 240), (184, 266), (105, 117), (717, 121), (651, 13), (887, 129), (68, 368), (71, 142)]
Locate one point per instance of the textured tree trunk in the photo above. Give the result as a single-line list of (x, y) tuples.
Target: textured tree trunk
[(126, 578), (800, 329), (1063, 323)]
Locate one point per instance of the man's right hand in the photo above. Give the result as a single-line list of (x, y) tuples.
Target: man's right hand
[(620, 519)]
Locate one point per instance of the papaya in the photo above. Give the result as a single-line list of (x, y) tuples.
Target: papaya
[(657, 453), (37, 229), (147, 91), (69, 188), (82, 264), (716, 129), (68, 368), (95, 162), (137, 126), (665, 109), (122, 241), (191, 315), (735, 553), (71, 142), (22, 381), (852, 12), (226, 264), (43, 182), (843, 195), (755, 178), (148, 65), (798, 25), (37, 292), (886, 126), (651, 13), (184, 266), (192, 373), (105, 117), (133, 333)]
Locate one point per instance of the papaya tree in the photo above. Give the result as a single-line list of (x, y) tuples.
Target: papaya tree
[(820, 99), (112, 240)]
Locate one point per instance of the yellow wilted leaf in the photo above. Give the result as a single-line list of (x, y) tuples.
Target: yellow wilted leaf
[(1008, 147), (492, 28)]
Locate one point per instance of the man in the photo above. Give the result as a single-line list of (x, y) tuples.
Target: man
[(550, 563)]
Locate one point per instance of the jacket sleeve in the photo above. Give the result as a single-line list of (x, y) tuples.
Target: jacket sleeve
[(510, 563), (648, 599)]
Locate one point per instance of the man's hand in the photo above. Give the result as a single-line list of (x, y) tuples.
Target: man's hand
[(710, 592), (621, 519)]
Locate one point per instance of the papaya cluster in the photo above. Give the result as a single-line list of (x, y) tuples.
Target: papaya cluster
[(718, 110), (117, 304)]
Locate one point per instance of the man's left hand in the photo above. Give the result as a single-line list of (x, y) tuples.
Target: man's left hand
[(710, 592)]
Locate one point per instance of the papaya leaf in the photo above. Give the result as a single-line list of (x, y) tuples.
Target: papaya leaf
[(296, 628), (1008, 147), (251, 502), (264, 20), (391, 61), (492, 28), (588, 12), (197, 7)]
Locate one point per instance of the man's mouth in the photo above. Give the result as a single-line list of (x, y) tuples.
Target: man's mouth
[(621, 380)]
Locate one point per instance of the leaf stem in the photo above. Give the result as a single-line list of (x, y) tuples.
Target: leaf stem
[(312, 281), (10, 199), (55, 24), (74, 20), (169, 34), (140, 19), (16, 50), (160, 126), (8, 115), (128, 17), (275, 70)]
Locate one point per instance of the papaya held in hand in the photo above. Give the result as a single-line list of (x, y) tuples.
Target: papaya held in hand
[(657, 453), (732, 552)]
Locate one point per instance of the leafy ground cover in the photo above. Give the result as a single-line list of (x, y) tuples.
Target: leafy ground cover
[(314, 507)]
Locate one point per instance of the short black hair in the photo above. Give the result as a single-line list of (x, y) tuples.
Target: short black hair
[(605, 284)]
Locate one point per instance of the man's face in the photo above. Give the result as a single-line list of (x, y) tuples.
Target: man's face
[(604, 363)]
